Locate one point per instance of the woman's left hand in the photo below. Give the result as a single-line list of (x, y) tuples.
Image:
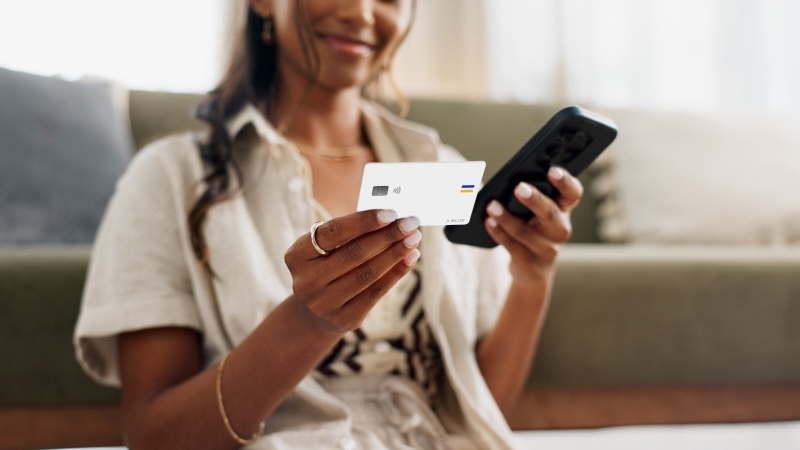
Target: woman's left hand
[(534, 244)]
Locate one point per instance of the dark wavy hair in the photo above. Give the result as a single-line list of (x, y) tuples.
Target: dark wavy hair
[(250, 78)]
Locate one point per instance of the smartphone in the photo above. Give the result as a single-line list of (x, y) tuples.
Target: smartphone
[(571, 139)]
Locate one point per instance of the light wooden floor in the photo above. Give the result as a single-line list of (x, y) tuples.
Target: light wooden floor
[(602, 407)]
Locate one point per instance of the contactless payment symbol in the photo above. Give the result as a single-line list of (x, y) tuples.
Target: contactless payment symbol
[(466, 188)]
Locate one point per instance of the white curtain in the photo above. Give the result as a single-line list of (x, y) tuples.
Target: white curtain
[(712, 55)]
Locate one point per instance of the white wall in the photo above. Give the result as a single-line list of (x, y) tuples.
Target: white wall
[(741, 55), (147, 44)]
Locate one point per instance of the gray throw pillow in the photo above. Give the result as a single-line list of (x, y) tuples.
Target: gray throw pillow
[(62, 148)]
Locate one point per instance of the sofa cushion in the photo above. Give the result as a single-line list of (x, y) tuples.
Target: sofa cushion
[(701, 179), (63, 145)]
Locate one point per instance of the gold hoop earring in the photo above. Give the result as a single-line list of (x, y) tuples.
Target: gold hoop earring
[(268, 30)]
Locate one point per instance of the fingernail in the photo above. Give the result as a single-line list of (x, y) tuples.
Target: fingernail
[(492, 222), (409, 224), (386, 216), (556, 173), (412, 239), (495, 208), (524, 190), (412, 257)]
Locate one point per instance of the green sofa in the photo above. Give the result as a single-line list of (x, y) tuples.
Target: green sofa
[(623, 317)]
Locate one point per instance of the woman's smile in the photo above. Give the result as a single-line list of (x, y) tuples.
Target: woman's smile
[(346, 46)]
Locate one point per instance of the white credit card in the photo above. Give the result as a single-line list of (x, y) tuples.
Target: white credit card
[(437, 193)]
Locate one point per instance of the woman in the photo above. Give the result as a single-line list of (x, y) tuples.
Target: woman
[(224, 328)]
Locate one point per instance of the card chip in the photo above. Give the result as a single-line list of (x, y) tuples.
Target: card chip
[(380, 191)]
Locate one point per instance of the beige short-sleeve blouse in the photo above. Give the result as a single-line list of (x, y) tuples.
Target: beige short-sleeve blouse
[(143, 273)]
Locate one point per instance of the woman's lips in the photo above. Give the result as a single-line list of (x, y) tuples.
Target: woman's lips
[(348, 47)]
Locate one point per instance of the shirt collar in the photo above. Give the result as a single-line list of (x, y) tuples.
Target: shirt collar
[(250, 115), (382, 127)]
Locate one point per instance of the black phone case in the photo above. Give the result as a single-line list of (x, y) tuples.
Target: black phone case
[(572, 139)]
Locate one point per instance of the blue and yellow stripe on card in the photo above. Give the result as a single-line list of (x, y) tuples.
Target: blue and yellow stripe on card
[(466, 188)]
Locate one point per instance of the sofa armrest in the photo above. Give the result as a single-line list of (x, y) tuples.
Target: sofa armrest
[(40, 288), (642, 315)]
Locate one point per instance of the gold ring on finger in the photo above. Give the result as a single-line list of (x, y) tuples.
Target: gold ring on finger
[(319, 249)]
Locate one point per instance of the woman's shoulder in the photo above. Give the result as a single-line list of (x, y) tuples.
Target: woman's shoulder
[(413, 135), (167, 162), (398, 122), (175, 149)]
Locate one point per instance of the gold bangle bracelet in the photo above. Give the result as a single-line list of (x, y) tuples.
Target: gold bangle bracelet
[(225, 420)]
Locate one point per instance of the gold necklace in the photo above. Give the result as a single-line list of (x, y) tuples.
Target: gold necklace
[(332, 153)]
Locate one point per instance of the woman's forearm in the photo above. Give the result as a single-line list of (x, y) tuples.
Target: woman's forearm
[(257, 377), (506, 353)]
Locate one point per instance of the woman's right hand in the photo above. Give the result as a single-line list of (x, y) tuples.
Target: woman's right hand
[(368, 252), (167, 396)]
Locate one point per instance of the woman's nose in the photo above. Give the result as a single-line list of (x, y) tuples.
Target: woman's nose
[(358, 12)]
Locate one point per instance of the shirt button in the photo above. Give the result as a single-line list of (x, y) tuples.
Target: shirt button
[(296, 184), (381, 347), (347, 443)]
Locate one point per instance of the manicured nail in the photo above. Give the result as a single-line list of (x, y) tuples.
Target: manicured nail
[(412, 257), (492, 222), (524, 190), (556, 173), (386, 216), (409, 224), (495, 208), (412, 239)]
